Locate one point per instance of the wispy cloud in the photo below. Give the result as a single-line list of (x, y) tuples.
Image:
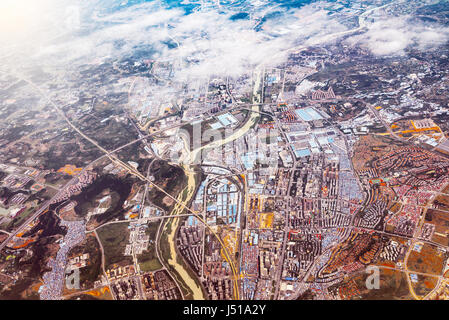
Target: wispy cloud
[(201, 43), (207, 41), (393, 35)]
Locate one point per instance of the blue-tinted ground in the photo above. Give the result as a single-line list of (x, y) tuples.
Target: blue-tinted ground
[(240, 9)]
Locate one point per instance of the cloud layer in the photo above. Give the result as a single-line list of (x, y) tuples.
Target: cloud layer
[(393, 35), (204, 42), (200, 43)]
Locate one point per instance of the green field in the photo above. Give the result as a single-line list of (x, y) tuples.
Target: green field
[(148, 260), (114, 238)]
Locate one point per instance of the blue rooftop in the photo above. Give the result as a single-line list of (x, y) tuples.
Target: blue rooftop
[(308, 114)]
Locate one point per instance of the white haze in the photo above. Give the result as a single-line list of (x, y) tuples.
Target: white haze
[(61, 33)]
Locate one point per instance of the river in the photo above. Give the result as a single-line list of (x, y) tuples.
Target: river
[(179, 208)]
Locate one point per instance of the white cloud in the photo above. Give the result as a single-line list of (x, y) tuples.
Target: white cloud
[(209, 42), (392, 36), (204, 42)]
